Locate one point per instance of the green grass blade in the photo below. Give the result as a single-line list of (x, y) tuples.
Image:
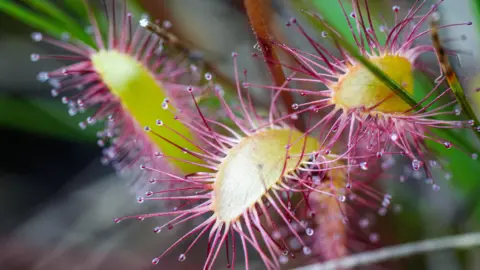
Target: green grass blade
[(69, 24), (51, 118), (31, 18)]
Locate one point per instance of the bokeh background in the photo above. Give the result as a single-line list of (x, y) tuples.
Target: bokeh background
[(57, 201)]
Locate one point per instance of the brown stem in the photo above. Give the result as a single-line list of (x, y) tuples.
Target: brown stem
[(259, 14)]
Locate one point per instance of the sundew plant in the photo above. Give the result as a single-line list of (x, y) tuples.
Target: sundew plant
[(319, 161)]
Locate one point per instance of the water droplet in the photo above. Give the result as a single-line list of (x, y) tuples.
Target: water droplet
[(364, 223), (295, 106), (394, 137), (34, 57), (379, 154), (159, 122), (395, 8), (165, 103), (234, 54), (142, 167), (43, 76), (182, 257), (37, 36), (72, 111), (167, 24), (341, 198), (474, 156), (309, 231), (435, 187), (82, 125), (364, 166), (373, 237), (447, 145), (190, 89), (140, 199), (382, 211), (352, 14), (306, 250), (157, 229), (324, 34), (416, 164), (149, 193), (283, 259), (155, 261), (458, 111), (208, 76), (117, 220)]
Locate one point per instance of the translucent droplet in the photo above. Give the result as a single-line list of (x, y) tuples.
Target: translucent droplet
[(416, 164), (167, 24), (149, 193), (208, 76), (140, 199), (341, 198), (182, 257), (117, 220), (34, 57), (364, 222), (382, 211), (435, 187), (474, 156), (394, 137), (324, 34), (364, 166), (283, 259), (157, 229), (306, 250), (447, 145), (82, 125), (373, 237), (295, 106), (37, 36), (309, 231), (155, 261), (42, 76), (142, 167), (165, 103), (395, 8), (159, 122)]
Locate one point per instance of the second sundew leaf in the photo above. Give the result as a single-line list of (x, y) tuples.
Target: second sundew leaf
[(141, 95), (132, 86)]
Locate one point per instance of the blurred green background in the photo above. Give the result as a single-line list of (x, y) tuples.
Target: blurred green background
[(57, 201)]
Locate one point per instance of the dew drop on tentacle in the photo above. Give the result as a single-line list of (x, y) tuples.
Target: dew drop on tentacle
[(182, 257), (416, 164)]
